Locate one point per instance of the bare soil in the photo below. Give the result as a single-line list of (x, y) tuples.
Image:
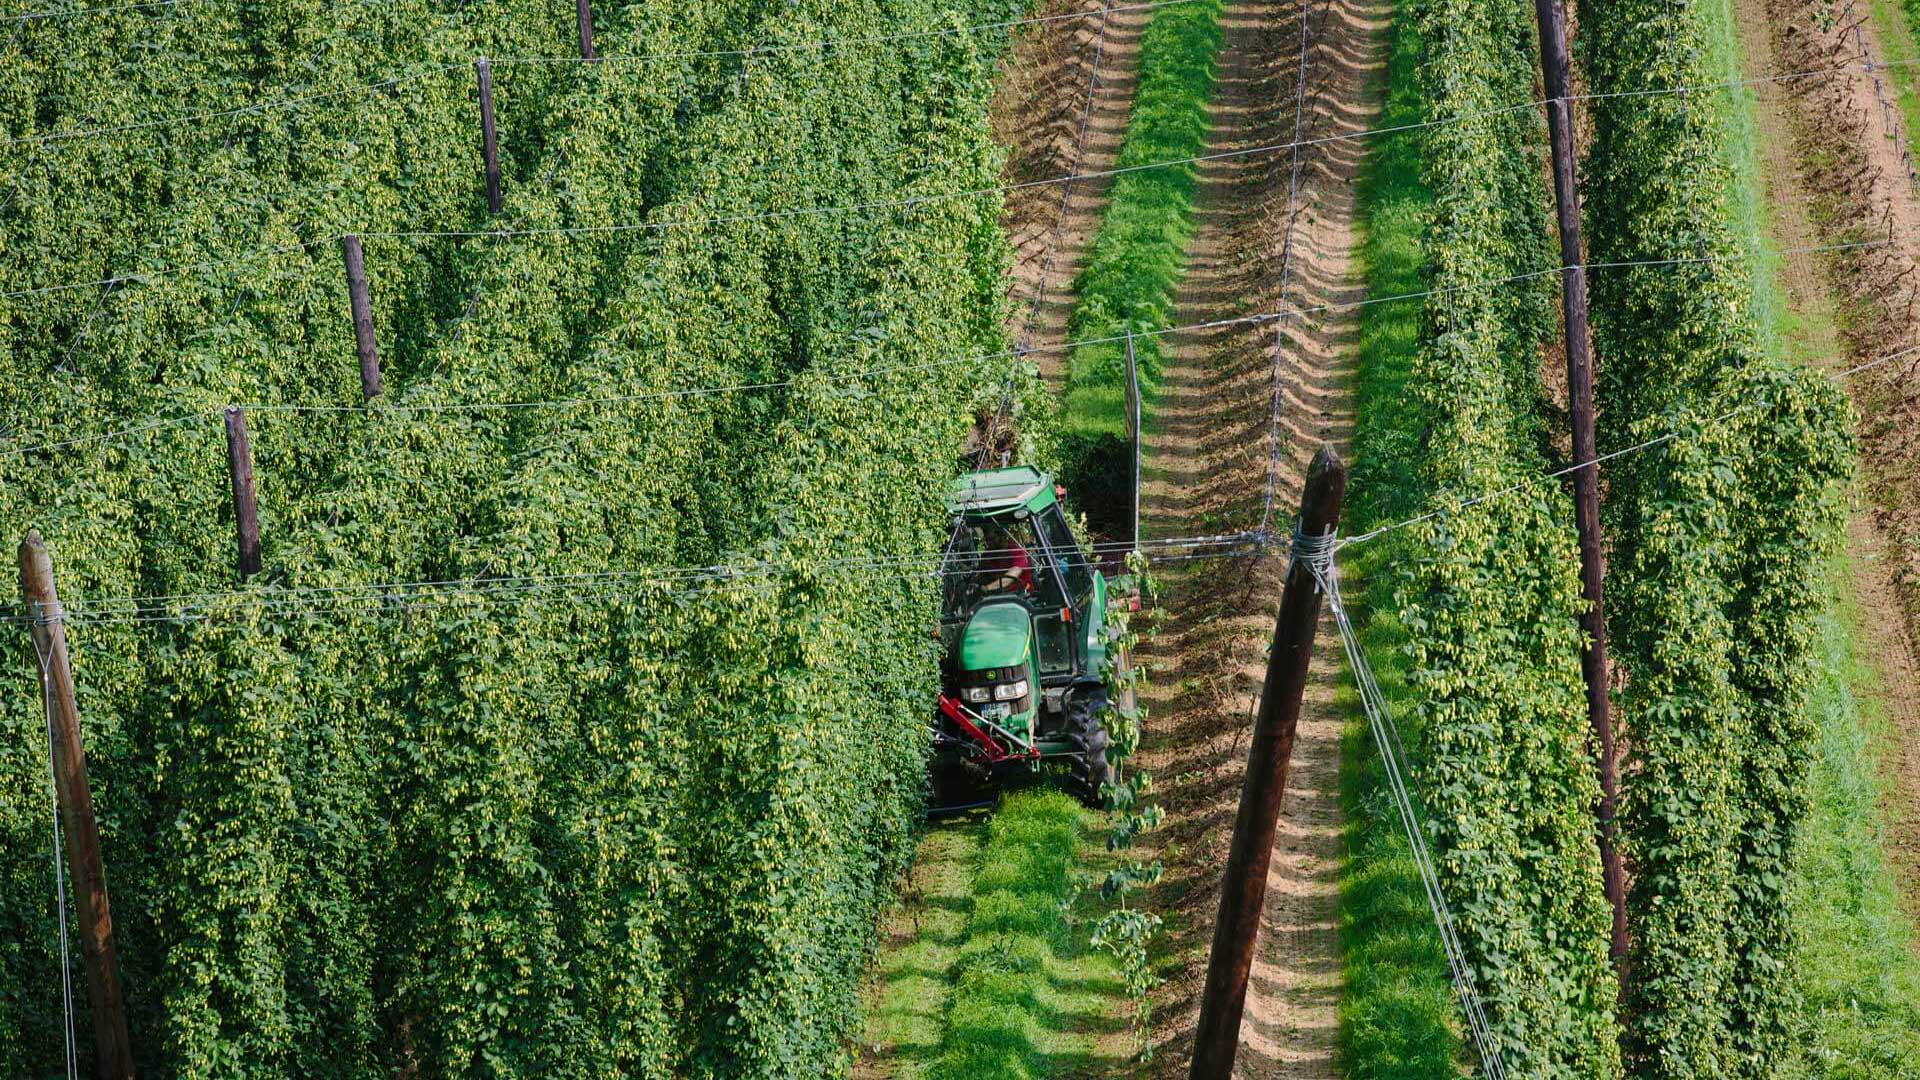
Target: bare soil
[(1261, 245), (1835, 174), (1063, 107)]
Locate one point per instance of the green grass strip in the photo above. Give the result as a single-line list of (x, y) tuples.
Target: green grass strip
[(1893, 20), (1138, 254), (1397, 1015), (1859, 971), (1015, 935)]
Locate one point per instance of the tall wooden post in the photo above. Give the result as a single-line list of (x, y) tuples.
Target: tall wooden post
[(489, 147), (1554, 62), (1133, 431), (583, 14), (246, 521), (1243, 893), (362, 307), (112, 1051)]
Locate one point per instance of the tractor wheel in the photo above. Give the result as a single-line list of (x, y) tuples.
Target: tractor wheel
[(1087, 765)]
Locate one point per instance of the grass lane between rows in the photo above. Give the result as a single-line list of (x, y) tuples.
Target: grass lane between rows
[(1859, 969), (1397, 1018), (1139, 253)]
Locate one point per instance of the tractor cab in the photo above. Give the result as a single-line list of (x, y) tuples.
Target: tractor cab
[(1021, 621)]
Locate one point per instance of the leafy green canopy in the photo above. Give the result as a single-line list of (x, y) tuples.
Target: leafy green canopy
[(642, 833), (1719, 537), (1488, 596)]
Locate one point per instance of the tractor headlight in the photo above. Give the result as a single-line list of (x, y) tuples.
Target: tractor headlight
[(977, 694), (1012, 691)]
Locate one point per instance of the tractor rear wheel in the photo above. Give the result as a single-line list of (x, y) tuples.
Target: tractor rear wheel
[(1087, 765)]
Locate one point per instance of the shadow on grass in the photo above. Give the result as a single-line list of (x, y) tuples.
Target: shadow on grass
[(999, 981)]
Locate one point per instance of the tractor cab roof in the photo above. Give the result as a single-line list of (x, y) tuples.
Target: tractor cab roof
[(998, 491)]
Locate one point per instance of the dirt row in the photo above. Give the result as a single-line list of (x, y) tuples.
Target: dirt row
[(1063, 108), (1836, 173), (1264, 243)]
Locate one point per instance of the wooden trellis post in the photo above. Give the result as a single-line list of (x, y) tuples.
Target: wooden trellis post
[(489, 147), (1555, 65), (583, 13), (362, 306), (1243, 891), (112, 1049), (246, 522)]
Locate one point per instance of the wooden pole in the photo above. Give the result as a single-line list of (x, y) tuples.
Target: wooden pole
[(246, 522), (362, 306), (1243, 892), (1133, 431), (112, 1051), (489, 147), (583, 13), (1554, 62)]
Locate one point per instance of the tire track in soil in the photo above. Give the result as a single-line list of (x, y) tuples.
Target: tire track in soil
[(1795, 128), (1043, 104), (1206, 471)]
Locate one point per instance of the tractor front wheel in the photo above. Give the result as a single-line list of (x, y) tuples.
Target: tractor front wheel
[(1087, 765)]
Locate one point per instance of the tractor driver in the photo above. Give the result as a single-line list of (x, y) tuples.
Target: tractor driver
[(1004, 564)]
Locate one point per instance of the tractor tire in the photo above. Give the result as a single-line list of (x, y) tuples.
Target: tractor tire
[(1087, 764)]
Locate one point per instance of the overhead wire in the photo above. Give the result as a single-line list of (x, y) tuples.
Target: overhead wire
[(1294, 209), (866, 206), (1279, 314), (1601, 459), (81, 608), (977, 358), (1004, 407), (97, 9), (831, 44), (1317, 555), (422, 71), (188, 607)]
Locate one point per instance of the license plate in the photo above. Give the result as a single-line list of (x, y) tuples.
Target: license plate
[(998, 711)]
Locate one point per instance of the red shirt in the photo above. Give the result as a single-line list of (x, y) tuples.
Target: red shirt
[(1011, 560)]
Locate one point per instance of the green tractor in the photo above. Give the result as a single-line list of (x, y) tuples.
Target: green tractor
[(1020, 625)]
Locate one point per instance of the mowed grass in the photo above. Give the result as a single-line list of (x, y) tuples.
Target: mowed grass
[(1862, 976), (992, 975), (1397, 1017), (1893, 22), (1139, 252), (920, 942)]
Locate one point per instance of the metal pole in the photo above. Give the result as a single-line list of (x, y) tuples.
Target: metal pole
[(112, 1050), (1554, 63), (1243, 893), (489, 147), (357, 299), (583, 14), (246, 522)]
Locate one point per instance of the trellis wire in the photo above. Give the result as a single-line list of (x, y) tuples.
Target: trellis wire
[(1317, 553), (507, 234), (459, 407), (1294, 209), (423, 71)]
